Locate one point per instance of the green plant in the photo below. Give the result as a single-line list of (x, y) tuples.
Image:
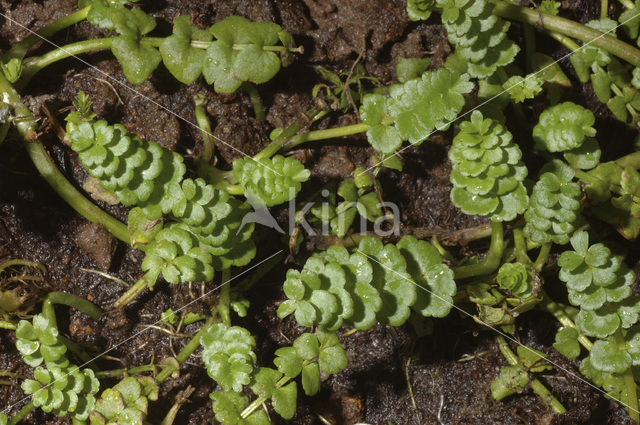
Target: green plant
[(563, 127), (420, 9), (520, 374), (487, 172), (271, 181), (600, 284), (515, 278), (63, 391), (190, 227), (409, 113), (614, 191), (204, 234), (126, 403), (554, 209), (375, 283), (522, 88), (338, 89), (228, 355), (58, 385), (480, 37), (410, 68), (243, 51), (309, 356), (359, 196)]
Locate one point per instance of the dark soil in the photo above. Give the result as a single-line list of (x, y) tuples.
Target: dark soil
[(387, 365)]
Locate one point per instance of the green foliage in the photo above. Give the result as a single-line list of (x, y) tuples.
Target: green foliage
[(12, 69), (339, 89), (413, 110), (184, 61), (487, 172), (243, 51), (600, 284), (138, 172), (591, 58), (227, 352), (267, 383), (420, 10), (566, 342), (563, 127), (126, 403), (3, 419), (480, 37), (271, 181), (517, 376), (175, 254), (311, 355), (613, 81), (410, 68), (554, 208), (138, 60), (510, 380), (516, 278), (378, 282), (60, 387), (203, 234), (550, 7), (614, 86), (228, 405), (522, 88), (615, 191), (612, 356), (63, 391), (39, 342), (434, 279), (358, 196), (238, 54)]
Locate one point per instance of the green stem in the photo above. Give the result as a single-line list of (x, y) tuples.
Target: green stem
[(133, 292), (521, 247), (628, 4), (70, 194), (224, 299), (256, 100), (604, 9), (26, 125), (629, 382), (20, 262), (565, 41), (188, 349), (545, 249), (492, 259), (22, 414), (19, 50), (36, 64), (561, 316), (632, 160), (49, 313), (285, 136), (569, 28), (116, 373), (209, 146), (258, 401), (330, 133), (537, 386), (85, 306), (5, 324)]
